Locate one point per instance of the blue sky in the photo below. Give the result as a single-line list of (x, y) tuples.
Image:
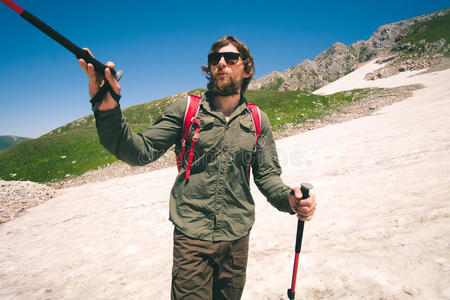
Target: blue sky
[(160, 46)]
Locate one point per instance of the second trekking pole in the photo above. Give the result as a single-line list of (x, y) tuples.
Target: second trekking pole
[(305, 187)]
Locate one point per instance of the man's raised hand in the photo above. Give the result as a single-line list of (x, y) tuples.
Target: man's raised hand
[(96, 80)]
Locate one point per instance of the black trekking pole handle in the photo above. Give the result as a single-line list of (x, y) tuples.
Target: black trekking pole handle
[(77, 51), (305, 187)]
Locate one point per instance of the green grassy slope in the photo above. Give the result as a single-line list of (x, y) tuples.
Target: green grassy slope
[(74, 148), (295, 107), (71, 149), (423, 38)]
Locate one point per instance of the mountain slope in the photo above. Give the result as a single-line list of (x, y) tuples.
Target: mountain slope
[(339, 59), (74, 149), (71, 149)]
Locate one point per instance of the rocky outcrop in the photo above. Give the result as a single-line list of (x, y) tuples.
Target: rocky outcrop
[(17, 196), (386, 36), (304, 74), (340, 59), (337, 61), (395, 66)]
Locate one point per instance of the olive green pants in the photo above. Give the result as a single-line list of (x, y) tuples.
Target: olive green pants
[(208, 270)]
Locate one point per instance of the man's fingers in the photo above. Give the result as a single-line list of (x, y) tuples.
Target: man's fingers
[(110, 77), (302, 218), (90, 68), (110, 65), (83, 65), (112, 81), (305, 213), (89, 51), (304, 208), (91, 72), (297, 193), (308, 202)]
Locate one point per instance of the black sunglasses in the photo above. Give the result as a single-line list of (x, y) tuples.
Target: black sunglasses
[(231, 58)]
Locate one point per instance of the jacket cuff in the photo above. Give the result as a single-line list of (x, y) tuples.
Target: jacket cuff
[(108, 122), (101, 115)]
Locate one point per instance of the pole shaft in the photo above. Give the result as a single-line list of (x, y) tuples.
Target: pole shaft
[(13, 6), (298, 243), (52, 33), (77, 51), (294, 273), (305, 187)]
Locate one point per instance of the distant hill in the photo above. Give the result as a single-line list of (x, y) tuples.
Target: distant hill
[(7, 141), (424, 40)]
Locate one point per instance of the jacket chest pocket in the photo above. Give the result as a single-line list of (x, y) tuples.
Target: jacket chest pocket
[(207, 138), (247, 135)]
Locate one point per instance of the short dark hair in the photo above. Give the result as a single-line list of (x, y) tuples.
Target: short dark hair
[(247, 59)]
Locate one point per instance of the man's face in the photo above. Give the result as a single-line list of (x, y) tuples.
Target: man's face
[(227, 78)]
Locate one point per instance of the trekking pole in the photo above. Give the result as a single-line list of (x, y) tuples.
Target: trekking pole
[(79, 53), (305, 187)]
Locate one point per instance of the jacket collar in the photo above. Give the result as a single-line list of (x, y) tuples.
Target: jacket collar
[(207, 104)]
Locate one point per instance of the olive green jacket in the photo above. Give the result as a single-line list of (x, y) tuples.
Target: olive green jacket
[(215, 204)]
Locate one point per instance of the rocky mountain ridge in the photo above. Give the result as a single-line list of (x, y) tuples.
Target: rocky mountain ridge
[(340, 59)]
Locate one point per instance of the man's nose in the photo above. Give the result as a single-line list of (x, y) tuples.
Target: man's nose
[(222, 62)]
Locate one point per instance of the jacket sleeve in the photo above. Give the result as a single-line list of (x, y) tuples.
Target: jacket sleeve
[(116, 135), (267, 169)]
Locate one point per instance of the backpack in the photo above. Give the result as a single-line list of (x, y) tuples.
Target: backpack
[(193, 105)]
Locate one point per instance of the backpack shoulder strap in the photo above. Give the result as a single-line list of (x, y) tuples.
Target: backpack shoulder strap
[(256, 116), (192, 106)]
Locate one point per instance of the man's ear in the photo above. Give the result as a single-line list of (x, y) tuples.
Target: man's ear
[(247, 75)]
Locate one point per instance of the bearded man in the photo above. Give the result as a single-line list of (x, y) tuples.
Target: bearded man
[(213, 211)]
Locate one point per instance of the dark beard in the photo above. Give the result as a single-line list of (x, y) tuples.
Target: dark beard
[(227, 88)]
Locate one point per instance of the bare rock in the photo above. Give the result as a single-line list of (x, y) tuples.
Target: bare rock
[(16, 196), (340, 59)]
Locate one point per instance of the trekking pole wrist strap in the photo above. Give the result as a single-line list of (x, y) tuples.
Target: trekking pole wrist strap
[(106, 87)]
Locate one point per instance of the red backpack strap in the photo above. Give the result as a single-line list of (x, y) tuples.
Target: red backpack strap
[(191, 151), (256, 117), (192, 107)]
